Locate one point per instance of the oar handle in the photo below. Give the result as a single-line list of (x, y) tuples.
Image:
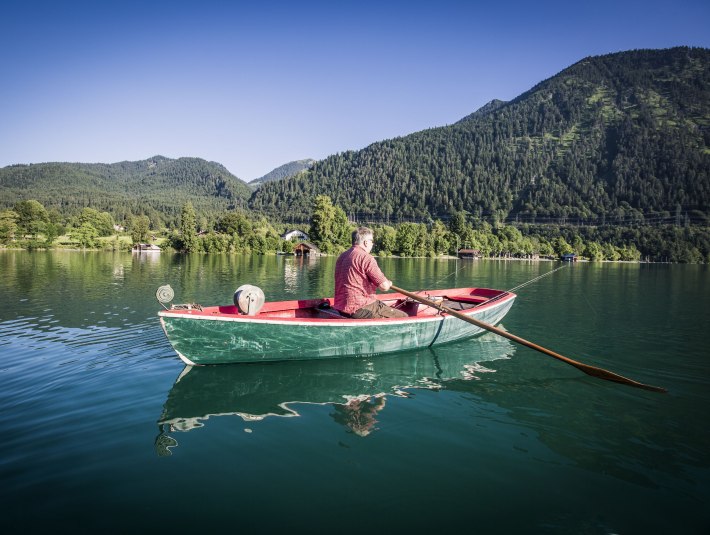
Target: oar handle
[(589, 370)]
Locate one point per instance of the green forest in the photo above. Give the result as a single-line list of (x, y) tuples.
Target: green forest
[(619, 138), (157, 188), (609, 159)]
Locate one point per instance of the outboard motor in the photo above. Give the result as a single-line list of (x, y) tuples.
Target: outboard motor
[(249, 299)]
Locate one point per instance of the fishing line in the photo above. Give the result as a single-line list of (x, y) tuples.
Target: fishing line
[(454, 272), (531, 281), (522, 285), (538, 277), (435, 284), (492, 299), (589, 303)]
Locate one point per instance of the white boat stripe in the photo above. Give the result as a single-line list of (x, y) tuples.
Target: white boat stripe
[(347, 322)]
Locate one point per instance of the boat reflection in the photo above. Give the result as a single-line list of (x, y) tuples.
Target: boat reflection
[(357, 387), (358, 414)]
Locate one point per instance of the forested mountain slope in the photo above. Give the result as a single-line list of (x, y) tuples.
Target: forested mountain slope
[(621, 137), (155, 186)]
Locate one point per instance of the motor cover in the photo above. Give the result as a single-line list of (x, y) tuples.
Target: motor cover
[(249, 299)]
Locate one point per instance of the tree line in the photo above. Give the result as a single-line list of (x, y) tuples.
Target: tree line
[(30, 225)]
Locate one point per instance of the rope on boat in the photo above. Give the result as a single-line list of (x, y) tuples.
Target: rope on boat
[(187, 306)]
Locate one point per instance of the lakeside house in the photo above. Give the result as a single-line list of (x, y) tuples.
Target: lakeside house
[(294, 235)]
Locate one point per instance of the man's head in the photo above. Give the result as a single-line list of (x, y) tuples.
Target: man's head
[(363, 236)]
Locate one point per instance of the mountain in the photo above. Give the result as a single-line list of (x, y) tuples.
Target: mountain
[(157, 185), (621, 137), (283, 171), (484, 110)]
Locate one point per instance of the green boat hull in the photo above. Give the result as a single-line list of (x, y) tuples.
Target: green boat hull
[(203, 339)]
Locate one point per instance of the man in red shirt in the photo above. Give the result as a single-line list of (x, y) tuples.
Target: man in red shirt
[(357, 277)]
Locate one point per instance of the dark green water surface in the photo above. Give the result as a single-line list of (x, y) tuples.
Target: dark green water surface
[(105, 431)]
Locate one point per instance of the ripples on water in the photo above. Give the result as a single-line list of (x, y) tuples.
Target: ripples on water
[(104, 430)]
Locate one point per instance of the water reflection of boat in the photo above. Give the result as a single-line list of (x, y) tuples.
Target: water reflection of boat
[(357, 387)]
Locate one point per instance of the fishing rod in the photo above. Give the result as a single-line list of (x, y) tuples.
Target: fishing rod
[(537, 278), (499, 296), (523, 285)]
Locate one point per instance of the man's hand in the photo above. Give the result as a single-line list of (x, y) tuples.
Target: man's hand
[(386, 285)]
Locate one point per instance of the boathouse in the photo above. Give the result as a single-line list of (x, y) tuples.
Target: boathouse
[(145, 247), (306, 248), (469, 253)]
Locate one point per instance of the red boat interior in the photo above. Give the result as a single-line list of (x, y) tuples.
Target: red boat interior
[(459, 299)]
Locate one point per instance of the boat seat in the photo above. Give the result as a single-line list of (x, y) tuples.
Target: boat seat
[(332, 313), (325, 309), (456, 304)]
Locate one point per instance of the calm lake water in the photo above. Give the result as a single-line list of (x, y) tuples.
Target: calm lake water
[(105, 431)]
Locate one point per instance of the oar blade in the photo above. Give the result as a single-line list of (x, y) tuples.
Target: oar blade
[(601, 373)]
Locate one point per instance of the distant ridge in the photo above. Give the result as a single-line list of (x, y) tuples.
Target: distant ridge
[(157, 185), (283, 171)]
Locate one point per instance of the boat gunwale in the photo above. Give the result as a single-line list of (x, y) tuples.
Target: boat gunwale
[(494, 301)]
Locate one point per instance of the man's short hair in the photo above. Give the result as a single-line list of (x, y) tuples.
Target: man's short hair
[(361, 234)]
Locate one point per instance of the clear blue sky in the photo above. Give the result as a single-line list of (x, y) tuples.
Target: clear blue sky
[(253, 85)]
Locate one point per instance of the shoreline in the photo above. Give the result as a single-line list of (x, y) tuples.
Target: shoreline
[(440, 257)]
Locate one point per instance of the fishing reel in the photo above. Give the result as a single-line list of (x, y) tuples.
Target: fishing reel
[(249, 299), (164, 295)]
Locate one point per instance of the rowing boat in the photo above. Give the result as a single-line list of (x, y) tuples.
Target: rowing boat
[(313, 329)]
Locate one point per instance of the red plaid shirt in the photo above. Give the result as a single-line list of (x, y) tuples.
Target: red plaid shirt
[(357, 277)]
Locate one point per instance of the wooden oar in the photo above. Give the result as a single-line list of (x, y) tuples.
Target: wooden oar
[(600, 373)]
